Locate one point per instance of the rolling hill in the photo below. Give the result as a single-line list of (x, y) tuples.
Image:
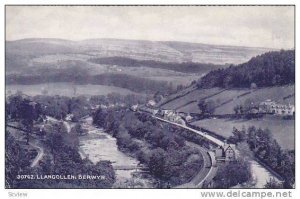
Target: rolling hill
[(279, 66), (269, 69), (273, 73), (58, 60), (172, 51)]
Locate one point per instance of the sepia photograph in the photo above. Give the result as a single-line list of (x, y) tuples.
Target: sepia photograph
[(149, 97)]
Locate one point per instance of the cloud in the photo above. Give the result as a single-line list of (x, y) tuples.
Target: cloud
[(265, 26)]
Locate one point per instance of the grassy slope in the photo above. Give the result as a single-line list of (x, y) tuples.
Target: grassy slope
[(191, 96), (226, 100), (274, 93), (282, 130)]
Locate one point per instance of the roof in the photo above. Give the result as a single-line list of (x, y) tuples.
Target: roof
[(229, 147)]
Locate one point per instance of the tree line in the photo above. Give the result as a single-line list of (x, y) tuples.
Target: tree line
[(269, 69), (153, 143), (185, 67)]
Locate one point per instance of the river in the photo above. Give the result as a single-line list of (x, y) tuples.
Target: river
[(98, 145), (260, 174)]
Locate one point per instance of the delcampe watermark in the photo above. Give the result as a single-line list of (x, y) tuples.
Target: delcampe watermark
[(246, 194)]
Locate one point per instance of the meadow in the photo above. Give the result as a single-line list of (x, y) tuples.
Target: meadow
[(226, 100), (66, 89), (282, 130)]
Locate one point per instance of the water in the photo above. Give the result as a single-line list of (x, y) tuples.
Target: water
[(98, 145), (260, 174)]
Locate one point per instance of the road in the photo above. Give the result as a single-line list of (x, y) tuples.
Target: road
[(206, 173), (39, 156), (260, 174), (67, 125), (209, 137), (39, 149)]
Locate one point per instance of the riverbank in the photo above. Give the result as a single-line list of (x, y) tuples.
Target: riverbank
[(97, 145)]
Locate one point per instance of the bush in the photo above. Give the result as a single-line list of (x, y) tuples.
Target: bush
[(232, 173)]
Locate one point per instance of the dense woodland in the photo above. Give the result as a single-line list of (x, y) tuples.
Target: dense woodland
[(270, 69), (185, 67)]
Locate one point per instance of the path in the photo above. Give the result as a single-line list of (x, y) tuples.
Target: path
[(39, 156)]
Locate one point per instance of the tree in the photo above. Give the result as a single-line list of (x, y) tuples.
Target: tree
[(206, 108), (27, 115), (123, 137), (157, 162), (252, 138), (273, 184), (238, 135), (248, 105), (77, 129), (238, 109), (232, 173), (158, 96), (99, 117), (253, 86)]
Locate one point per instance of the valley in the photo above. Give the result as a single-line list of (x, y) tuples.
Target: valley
[(150, 114)]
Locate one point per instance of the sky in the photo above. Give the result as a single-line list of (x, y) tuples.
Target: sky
[(253, 26)]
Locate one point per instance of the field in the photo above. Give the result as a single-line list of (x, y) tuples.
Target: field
[(185, 79), (66, 89), (274, 93), (282, 130), (225, 101), (192, 96)]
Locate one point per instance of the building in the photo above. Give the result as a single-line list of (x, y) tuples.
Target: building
[(151, 103), (229, 150), (172, 116), (266, 106), (134, 107), (69, 117), (225, 153), (188, 118), (280, 109), (272, 107)]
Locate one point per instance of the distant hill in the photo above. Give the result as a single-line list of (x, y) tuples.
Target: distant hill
[(185, 67), (270, 69), (163, 64), (171, 51)]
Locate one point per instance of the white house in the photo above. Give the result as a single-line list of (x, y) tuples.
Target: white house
[(226, 153), (151, 103), (270, 106)]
